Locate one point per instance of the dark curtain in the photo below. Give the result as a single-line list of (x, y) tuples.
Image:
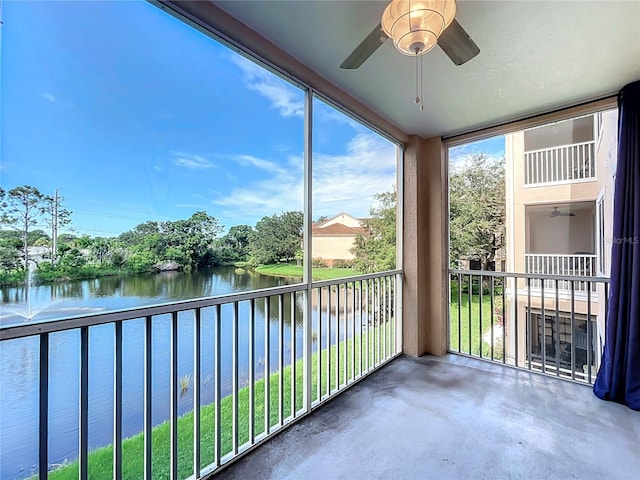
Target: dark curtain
[(619, 377)]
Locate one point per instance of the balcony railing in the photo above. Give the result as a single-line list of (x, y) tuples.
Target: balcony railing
[(492, 319), (561, 265), (567, 163), (252, 363)]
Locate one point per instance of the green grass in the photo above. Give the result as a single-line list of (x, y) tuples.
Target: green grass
[(296, 271), (476, 329), (101, 460)]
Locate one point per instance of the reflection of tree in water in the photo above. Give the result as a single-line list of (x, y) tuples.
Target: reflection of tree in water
[(13, 295), (105, 286), (274, 312), (68, 290)]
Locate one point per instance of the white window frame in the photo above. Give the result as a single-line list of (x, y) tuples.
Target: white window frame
[(600, 233)]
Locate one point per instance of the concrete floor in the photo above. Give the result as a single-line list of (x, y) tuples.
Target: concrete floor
[(454, 418)]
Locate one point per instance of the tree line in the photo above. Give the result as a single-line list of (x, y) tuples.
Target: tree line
[(477, 217), (188, 244), (31, 219)]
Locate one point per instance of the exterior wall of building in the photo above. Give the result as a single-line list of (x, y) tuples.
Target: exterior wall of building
[(343, 219), (560, 234), (531, 230), (333, 247), (333, 239), (607, 157)]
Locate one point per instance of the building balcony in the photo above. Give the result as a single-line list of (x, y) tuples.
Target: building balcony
[(258, 362), (202, 380), (561, 265), (560, 164), (453, 417)]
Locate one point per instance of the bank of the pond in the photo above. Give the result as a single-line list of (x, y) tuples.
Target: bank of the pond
[(100, 461), (289, 270)]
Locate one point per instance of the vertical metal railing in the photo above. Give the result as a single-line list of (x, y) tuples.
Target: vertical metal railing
[(43, 420), (197, 329), (566, 163), (117, 404), (173, 403), (83, 429), (148, 398), (503, 317), (356, 329)]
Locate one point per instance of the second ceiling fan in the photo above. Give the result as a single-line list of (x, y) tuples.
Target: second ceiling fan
[(416, 26)]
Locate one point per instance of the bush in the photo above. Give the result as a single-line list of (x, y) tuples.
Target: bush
[(15, 277), (341, 263), (318, 263)]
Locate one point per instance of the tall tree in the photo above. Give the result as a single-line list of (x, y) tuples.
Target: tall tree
[(188, 243), (22, 208), (195, 238), (234, 245), (276, 238), (57, 217), (477, 209), (375, 250)]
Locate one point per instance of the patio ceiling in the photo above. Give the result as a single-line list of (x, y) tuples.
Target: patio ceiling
[(535, 57)]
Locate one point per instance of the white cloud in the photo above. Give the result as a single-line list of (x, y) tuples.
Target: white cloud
[(266, 165), (48, 96), (344, 182), (348, 182), (284, 97), (458, 155), (192, 162), (279, 190), (191, 205)]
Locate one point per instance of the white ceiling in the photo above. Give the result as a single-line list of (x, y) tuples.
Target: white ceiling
[(535, 56)]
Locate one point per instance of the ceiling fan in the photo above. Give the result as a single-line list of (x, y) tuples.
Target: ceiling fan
[(557, 213), (416, 26)]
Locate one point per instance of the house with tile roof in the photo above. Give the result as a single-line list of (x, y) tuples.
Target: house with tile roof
[(333, 239)]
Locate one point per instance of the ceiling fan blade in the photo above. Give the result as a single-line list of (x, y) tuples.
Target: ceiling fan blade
[(366, 48), (457, 44)]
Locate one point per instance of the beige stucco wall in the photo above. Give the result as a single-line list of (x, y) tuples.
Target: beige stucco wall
[(561, 235), (535, 233), (425, 300), (332, 247), (563, 133)]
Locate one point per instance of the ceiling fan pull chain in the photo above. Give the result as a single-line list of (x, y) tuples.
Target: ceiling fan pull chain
[(421, 95), (417, 100)]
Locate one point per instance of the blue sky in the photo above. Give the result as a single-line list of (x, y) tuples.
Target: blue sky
[(136, 116), (494, 147)]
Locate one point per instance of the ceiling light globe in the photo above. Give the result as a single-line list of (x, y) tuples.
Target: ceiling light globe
[(415, 23)]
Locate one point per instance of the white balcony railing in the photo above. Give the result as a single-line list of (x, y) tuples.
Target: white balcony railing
[(567, 163), (275, 354), (561, 265), (490, 319)]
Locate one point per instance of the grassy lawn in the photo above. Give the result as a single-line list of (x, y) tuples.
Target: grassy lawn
[(476, 328), (296, 271), (101, 460)]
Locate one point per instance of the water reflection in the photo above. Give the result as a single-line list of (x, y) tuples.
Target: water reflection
[(19, 359), (47, 302)]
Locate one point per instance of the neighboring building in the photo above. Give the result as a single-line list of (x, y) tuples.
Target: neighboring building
[(560, 180), (333, 239)]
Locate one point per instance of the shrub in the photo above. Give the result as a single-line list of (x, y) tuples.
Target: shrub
[(341, 263), (318, 263)]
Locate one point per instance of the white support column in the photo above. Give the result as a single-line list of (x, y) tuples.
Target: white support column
[(307, 224)]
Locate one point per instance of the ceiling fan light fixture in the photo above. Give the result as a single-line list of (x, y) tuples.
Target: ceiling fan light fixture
[(415, 25)]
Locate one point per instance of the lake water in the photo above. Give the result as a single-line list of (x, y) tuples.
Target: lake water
[(19, 359)]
